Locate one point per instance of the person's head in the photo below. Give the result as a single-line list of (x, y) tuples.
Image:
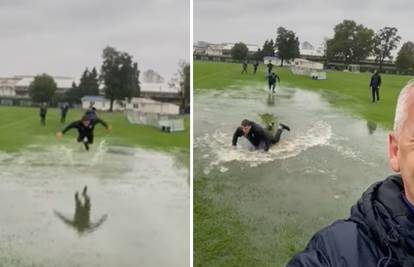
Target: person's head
[(401, 140), (375, 71), (85, 120), (246, 126)]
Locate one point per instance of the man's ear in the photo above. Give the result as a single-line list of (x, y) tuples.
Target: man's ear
[(393, 152)]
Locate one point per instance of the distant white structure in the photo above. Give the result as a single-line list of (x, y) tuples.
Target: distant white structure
[(18, 86), (307, 49), (353, 68), (145, 105), (164, 116), (101, 103), (309, 68), (224, 49), (274, 60)]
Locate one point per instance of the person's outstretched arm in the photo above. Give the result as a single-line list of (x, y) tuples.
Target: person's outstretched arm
[(238, 133), (379, 80), (98, 120), (73, 125), (278, 79)]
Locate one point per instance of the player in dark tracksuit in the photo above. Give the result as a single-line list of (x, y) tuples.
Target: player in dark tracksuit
[(257, 136), (269, 68), (255, 66), (244, 68), (272, 81), (85, 128), (375, 85), (42, 113)]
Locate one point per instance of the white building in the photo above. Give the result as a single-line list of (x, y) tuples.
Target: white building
[(224, 49), (145, 105), (101, 103), (18, 86)]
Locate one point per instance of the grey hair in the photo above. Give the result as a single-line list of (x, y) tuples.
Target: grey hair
[(401, 110)]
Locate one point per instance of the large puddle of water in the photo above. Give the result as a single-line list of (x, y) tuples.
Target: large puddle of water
[(313, 176), (134, 211)]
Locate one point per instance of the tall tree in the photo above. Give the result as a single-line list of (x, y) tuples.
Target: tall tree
[(385, 41), (351, 42), (405, 57), (89, 83), (120, 75), (268, 49), (239, 51), (73, 95), (287, 45), (42, 88)]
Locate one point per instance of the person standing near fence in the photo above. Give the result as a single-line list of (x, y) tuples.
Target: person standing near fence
[(42, 113)]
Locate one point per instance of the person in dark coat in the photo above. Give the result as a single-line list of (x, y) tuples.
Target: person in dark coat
[(257, 136), (244, 66), (380, 230), (85, 128), (375, 86), (255, 66), (269, 68), (271, 79), (63, 112), (42, 113)]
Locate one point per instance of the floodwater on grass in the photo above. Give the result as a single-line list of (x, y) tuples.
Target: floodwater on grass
[(313, 176), (134, 211)]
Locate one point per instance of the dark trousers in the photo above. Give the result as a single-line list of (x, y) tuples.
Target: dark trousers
[(276, 138), (254, 70), (89, 138), (43, 120), (62, 117), (375, 93), (244, 71), (272, 86)]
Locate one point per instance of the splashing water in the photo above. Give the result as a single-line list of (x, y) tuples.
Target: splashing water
[(221, 151)]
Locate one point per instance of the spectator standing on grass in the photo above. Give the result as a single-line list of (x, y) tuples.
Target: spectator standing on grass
[(255, 66), (244, 67), (42, 113), (375, 86), (63, 112)]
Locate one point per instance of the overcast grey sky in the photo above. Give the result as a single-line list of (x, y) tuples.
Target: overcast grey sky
[(254, 21), (62, 37)]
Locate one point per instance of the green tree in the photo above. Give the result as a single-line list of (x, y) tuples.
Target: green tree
[(287, 45), (239, 51), (42, 88), (184, 72), (385, 41), (405, 57), (268, 49), (89, 83), (351, 42), (73, 95), (120, 75)]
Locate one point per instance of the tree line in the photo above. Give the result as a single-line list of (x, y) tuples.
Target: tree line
[(350, 44), (119, 78)]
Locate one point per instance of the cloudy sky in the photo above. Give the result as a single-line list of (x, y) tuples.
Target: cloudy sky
[(62, 37), (254, 21)]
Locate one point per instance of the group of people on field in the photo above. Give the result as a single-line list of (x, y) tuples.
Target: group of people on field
[(85, 126)]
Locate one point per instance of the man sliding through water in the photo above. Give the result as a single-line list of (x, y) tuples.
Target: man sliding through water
[(257, 136), (85, 128)]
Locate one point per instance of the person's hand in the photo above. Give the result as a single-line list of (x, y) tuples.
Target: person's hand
[(59, 135), (109, 129)]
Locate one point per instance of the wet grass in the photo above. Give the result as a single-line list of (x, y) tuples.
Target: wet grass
[(20, 127), (348, 91)]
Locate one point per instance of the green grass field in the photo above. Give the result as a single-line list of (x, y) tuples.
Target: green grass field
[(21, 127), (349, 91), (220, 236)]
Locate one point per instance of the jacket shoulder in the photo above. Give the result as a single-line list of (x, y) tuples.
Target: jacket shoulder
[(340, 244)]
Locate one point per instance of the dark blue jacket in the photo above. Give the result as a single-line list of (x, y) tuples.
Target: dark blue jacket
[(256, 136), (375, 81), (380, 232)]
